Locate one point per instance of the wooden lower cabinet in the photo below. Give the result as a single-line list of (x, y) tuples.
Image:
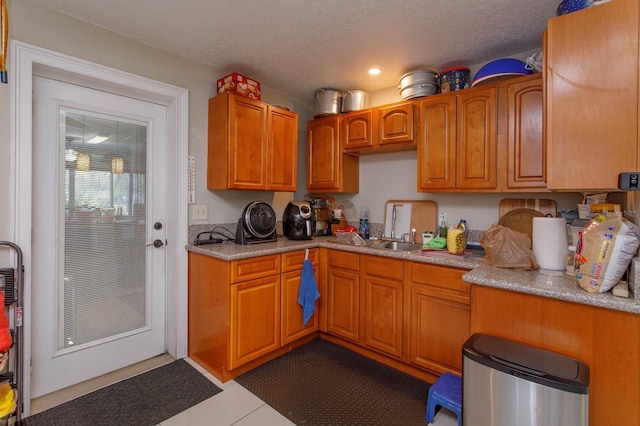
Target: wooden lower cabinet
[(292, 327), (413, 316), (255, 319), (244, 312), (383, 304), (608, 341), (439, 317), (343, 294)]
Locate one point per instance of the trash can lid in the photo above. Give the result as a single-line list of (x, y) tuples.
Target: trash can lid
[(528, 362)]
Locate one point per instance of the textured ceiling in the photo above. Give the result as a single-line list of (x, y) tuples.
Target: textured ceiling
[(299, 46)]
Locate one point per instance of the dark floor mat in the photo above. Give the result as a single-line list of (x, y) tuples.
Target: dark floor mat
[(146, 399), (321, 383)]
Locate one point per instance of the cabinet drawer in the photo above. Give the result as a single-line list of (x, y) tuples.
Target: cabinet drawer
[(439, 276), (293, 260), (384, 267), (344, 260), (255, 267)]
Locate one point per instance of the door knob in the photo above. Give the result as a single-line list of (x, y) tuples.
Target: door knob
[(158, 243)]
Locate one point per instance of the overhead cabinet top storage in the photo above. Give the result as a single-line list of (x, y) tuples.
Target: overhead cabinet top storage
[(252, 145)]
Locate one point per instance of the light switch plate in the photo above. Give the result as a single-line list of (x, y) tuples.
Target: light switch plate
[(200, 212)]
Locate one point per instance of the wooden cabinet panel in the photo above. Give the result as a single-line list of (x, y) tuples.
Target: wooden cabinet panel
[(476, 135), (383, 304), (255, 315), (526, 149), (396, 123), (328, 168), (458, 140), (439, 327), (293, 260), (343, 260), (439, 317), (282, 162), (343, 303), (606, 340), (357, 129), (255, 267), (439, 276), (208, 312), (437, 142), (591, 120), (292, 327), (251, 145)]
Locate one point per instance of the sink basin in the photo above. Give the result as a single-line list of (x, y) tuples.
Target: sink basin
[(393, 245)]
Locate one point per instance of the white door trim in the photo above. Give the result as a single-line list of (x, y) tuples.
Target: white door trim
[(28, 60)]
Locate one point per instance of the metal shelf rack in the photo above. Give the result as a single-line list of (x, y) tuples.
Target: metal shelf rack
[(12, 284)]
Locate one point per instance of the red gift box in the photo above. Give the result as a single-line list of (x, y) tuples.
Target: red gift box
[(239, 85)]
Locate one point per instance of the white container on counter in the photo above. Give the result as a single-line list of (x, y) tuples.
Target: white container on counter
[(549, 242)]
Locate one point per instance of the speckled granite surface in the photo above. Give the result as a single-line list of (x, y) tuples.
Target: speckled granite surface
[(559, 286)]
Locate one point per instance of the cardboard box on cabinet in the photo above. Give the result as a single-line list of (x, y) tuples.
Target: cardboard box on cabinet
[(240, 85)]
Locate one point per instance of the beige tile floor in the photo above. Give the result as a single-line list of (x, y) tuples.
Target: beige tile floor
[(233, 406)]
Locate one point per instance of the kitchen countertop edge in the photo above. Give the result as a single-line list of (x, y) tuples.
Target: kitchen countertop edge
[(558, 286)]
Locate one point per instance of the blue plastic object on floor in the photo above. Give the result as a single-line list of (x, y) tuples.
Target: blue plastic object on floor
[(445, 392)]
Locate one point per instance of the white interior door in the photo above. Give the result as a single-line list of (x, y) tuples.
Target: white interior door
[(98, 279)]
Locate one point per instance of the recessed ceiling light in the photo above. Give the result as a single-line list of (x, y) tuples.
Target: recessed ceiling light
[(374, 71)]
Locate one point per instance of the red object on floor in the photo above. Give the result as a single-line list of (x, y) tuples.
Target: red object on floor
[(5, 334)]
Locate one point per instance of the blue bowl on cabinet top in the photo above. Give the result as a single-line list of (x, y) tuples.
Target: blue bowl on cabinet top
[(568, 6), (499, 68)]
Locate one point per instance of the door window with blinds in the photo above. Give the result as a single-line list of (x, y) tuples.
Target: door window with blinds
[(104, 228)]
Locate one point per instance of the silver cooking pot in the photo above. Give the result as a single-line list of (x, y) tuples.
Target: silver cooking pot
[(419, 83), (327, 102), (355, 100)]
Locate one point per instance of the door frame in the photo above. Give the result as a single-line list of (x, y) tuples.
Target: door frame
[(29, 60)]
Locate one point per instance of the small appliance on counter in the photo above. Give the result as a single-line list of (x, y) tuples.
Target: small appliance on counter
[(257, 224), (322, 214), (298, 221)]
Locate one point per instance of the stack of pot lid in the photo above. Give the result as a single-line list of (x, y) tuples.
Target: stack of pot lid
[(419, 83)]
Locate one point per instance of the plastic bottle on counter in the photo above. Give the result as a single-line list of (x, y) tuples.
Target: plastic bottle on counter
[(363, 229)]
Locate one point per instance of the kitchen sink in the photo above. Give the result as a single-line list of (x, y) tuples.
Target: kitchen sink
[(393, 245)]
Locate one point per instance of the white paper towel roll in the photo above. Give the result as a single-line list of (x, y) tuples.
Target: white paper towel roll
[(549, 242)]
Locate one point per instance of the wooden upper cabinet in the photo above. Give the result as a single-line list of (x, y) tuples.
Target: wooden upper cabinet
[(251, 145), (357, 129), (437, 142), (328, 167), (457, 146), (396, 124), (380, 129), (591, 77), (282, 150), (476, 136), (521, 102)]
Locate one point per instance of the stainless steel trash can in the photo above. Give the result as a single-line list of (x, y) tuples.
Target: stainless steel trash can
[(505, 383)]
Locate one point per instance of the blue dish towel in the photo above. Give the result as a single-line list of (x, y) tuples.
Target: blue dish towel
[(308, 291)]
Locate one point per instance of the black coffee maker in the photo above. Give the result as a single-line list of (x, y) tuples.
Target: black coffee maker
[(298, 221)]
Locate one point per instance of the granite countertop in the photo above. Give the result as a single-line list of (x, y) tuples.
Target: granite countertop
[(557, 286)]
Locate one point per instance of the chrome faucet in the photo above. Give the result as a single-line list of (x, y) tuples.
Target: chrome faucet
[(393, 219)]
